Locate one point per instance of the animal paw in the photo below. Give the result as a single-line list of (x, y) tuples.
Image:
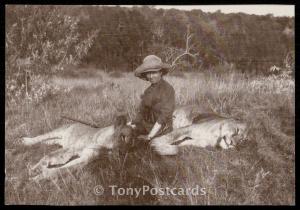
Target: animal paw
[(34, 171), (43, 173), (27, 141)]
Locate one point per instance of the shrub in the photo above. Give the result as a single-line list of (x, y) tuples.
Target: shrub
[(39, 41), (40, 89)]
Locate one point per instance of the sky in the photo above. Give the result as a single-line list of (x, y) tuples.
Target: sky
[(276, 10)]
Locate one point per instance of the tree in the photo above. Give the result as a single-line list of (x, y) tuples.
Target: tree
[(39, 41)]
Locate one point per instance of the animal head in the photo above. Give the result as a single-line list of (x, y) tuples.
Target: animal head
[(123, 133), (236, 133)]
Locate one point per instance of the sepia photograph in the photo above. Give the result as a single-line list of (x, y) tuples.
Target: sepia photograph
[(149, 105)]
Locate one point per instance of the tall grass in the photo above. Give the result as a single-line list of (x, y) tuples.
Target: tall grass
[(261, 172)]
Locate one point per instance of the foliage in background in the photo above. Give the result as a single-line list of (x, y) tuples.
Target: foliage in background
[(250, 42), (39, 41), (43, 39)]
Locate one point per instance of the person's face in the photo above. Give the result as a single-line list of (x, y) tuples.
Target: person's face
[(153, 76)]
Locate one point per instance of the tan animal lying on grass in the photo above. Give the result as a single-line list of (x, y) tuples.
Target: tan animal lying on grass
[(206, 130), (80, 144)]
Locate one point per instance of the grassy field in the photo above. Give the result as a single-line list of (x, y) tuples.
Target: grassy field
[(262, 172)]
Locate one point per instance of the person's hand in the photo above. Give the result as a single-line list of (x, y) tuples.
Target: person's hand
[(132, 125), (143, 137)]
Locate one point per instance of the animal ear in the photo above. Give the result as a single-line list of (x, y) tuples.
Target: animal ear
[(120, 121)]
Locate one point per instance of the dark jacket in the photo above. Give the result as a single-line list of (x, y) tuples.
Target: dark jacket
[(157, 105)]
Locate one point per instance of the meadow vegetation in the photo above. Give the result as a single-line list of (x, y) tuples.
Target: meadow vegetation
[(260, 172), (46, 48)]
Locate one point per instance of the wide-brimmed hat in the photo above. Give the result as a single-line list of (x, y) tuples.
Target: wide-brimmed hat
[(151, 63)]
